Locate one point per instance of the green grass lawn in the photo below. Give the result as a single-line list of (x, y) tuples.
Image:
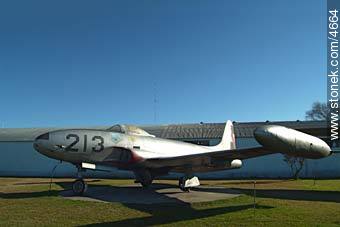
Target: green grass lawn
[(26, 201)]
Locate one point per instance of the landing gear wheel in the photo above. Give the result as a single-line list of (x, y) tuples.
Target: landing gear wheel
[(79, 187), (185, 189), (146, 184), (144, 177), (181, 184)]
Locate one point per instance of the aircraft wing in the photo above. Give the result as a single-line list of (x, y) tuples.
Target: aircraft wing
[(243, 153), (207, 159)]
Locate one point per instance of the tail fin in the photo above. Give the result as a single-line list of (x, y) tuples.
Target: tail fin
[(228, 139)]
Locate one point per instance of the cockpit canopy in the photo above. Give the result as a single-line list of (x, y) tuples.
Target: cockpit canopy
[(129, 130)]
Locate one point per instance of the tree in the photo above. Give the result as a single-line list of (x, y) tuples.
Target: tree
[(319, 112), (295, 164)]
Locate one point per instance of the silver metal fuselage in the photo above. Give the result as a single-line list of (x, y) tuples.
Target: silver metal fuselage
[(129, 151), (97, 146)]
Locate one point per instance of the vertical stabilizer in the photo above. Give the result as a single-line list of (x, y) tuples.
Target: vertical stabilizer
[(228, 141)]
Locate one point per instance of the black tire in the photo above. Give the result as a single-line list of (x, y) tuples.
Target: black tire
[(181, 184), (79, 187), (185, 189), (146, 184)]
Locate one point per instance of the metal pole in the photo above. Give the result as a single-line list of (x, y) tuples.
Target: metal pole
[(254, 196)]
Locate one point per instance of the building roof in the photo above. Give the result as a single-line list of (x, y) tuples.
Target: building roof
[(182, 131), (242, 129)]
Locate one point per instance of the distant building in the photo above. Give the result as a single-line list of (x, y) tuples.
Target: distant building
[(18, 158)]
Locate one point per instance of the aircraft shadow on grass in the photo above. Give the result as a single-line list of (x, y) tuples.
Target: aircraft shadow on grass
[(164, 213), (25, 195), (156, 194), (170, 213), (118, 192), (163, 210)]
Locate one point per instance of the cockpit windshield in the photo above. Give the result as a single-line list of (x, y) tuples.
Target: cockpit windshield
[(116, 128), (129, 130)]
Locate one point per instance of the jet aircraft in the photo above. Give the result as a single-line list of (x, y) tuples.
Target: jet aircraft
[(130, 148)]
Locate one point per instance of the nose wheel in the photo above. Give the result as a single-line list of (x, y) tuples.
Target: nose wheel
[(79, 187)]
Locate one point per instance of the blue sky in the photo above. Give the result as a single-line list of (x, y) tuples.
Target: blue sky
[(102, 62)]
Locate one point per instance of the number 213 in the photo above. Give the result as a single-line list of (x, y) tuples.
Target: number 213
[(97, 148)]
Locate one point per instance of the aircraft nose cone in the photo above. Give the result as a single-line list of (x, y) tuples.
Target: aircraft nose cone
[(37, 146), (45, 136), (38, 143)]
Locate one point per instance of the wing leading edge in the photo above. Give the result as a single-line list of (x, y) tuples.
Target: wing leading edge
[(208, 158)]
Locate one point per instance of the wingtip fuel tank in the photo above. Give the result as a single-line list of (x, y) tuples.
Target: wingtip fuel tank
[(292, 142)]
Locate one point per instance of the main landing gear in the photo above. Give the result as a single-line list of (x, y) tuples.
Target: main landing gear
[(79, 186), (144, 177), (185, 183)]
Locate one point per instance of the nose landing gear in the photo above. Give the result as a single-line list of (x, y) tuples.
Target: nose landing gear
[(79, 186)]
